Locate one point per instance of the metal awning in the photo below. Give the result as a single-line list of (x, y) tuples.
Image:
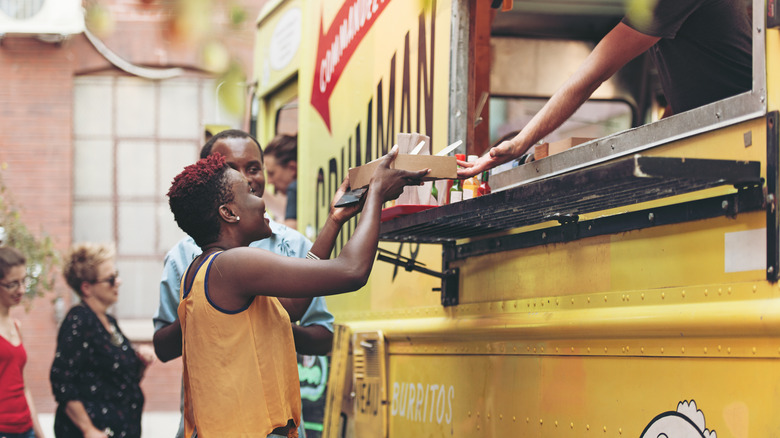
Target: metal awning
[(624, 182)]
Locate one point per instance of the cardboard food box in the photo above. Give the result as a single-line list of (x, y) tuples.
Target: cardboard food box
[(441, 168), (547, 149)]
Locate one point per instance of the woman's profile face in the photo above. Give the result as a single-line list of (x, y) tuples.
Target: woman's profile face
[(280, 176), (249, 207)]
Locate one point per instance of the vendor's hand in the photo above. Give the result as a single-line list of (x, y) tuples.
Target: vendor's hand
[(342, 214), (390, 182), (504, 152), (497, 155)]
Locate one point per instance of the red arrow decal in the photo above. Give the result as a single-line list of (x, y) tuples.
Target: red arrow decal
[(336, 46)]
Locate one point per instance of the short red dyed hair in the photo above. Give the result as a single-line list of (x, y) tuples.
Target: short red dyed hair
[(196, 195)]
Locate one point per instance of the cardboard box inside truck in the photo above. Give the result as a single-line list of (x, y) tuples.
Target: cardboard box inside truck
[(547, 149)]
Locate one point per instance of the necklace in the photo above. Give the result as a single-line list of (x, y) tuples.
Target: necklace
[(116, 338)]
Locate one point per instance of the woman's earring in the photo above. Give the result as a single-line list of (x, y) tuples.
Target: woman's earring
[(238, 218)]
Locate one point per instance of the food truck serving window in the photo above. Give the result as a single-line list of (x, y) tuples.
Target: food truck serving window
[(542, 59)]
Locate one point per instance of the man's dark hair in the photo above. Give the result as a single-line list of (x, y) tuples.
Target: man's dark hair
[(205, 151), (196, 195)]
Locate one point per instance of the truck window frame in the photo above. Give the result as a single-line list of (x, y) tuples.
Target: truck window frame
[(732, 110)]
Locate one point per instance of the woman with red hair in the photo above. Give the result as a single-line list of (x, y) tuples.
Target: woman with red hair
[(240, 369)]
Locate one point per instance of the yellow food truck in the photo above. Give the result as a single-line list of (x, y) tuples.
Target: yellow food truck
[(626, 286)]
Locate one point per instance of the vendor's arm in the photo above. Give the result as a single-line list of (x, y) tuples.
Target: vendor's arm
[(616, 49)]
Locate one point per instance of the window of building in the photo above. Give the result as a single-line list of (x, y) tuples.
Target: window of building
[(131, 137)]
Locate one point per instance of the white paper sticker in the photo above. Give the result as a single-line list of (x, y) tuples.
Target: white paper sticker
[(745, 250), (285, 39)]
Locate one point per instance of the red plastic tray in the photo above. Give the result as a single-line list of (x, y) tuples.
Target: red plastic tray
[(402, 210)]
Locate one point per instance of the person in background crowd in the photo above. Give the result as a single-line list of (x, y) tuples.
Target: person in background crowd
[(240, 373), (281, 165), (702, 50), (18, 418), (96, 373), (314, 333)]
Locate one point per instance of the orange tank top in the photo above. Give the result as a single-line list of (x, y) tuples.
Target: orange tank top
[(240, 368)]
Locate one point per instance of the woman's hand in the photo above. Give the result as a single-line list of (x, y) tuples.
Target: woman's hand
[(342, 214), (390, 182), (145, 353)]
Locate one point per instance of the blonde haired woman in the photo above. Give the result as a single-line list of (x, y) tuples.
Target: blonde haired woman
[(96, 372)]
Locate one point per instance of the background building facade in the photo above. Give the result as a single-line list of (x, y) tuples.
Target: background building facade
[(89, 142)]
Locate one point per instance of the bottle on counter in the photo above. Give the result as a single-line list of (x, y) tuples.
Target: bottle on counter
[(484, 186), (456, 191), (471, 185)]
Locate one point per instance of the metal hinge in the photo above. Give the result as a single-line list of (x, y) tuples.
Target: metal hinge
[(449, 276)]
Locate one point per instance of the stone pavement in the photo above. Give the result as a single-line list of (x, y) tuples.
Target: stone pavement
[(154, 424)]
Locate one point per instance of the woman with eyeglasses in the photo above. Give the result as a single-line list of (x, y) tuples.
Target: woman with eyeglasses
[(96, 373), (18, 418)]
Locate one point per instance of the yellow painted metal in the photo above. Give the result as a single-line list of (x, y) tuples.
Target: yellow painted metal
[(773, 68), (384, 84), (391, 287), (276, 59), (268, 109), (277, 56), (741, 310), (340, 384), (686, 254), (597, 336), (370, 374), (576, 396)]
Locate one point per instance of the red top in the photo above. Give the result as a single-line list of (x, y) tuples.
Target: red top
[(14, 413)]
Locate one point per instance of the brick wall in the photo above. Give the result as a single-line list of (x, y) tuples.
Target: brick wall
[(36, 155)]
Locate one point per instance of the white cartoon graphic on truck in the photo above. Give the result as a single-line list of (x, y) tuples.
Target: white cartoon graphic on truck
[(686, 422)]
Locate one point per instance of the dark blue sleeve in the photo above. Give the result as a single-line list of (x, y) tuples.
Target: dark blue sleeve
[(292, 201)]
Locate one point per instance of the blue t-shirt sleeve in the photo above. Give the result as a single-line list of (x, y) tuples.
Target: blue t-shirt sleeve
[(176, 261), (318, 314)]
